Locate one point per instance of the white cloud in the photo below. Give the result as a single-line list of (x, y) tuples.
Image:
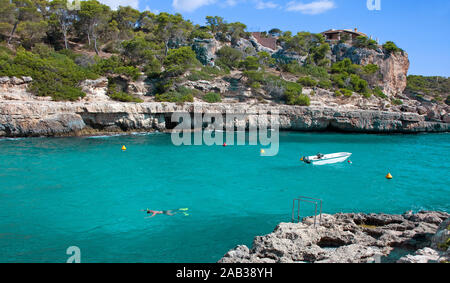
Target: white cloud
[(114, 4), (190, 5), (313, 8), (231, 3), (265, 5)]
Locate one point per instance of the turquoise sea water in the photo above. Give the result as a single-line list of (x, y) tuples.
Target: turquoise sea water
[(86, 192)]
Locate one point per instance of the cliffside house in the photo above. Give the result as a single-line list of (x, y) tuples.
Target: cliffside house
[(267, 41), (334, 35)]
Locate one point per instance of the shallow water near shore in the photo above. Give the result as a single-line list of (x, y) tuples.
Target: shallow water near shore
[(86, 192)]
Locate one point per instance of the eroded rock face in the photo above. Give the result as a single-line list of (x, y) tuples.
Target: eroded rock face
[(95, 89), (439, 250), (219, 86), (23, 114), (206, 49), (24, 118), (393, 68), (342, 238)]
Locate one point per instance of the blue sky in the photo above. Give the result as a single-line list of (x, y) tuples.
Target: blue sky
[(422, 28)]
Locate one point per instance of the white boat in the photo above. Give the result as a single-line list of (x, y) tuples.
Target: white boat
[(323, 159)]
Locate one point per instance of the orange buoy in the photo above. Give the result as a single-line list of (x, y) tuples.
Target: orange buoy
[(389, 176), (124, 148)]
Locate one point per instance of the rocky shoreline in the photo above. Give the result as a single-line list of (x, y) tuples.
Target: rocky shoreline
[(46, 118), (353, 238), (24, 115)]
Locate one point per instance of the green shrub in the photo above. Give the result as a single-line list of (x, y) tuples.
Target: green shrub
[(202, 34), (250, 63), (181, 95), (434, 86), (307, 81), (129, 71), (179, 61), (391, 47), (396, 102), (294, 96), (367, 94), (359, 85), (212, 97), (444, 246), (255, 85), (341, 67), (370, 69), (114, 65), (215, 71), (340, 80), (307, 70), (54, 74), (319, 53), (365, 42), (124, 97), (199, 75), (379, 93), (345, 75), (228, 56), (302, 100), (346, 92), (325, 84), (254, 76)]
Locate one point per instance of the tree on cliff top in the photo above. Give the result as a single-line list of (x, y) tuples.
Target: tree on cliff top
[(62, 18), (180, 60), (20, 11), (93, 17), (216, 24), (391, 47)]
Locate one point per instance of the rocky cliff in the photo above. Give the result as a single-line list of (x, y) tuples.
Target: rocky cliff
[(352, 238), (23, 114), (392, 74), (41, 118)]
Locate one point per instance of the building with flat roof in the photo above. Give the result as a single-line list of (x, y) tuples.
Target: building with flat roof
[(341, 34)]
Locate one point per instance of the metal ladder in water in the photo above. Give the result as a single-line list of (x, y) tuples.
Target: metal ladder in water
[(314, 201)]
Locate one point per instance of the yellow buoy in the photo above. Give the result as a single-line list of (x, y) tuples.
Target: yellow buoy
[(263, 151), (124, 148), (389, 176)]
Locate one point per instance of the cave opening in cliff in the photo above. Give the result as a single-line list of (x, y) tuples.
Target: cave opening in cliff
[(168, 121)]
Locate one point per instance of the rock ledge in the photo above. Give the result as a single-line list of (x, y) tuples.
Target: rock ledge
[(352, 238)]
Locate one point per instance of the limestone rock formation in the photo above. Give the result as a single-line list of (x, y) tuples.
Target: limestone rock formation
[(17, 118), (217, 85), (95, 89), (393, 68), (342, 238), (439, 250), (206, 49)]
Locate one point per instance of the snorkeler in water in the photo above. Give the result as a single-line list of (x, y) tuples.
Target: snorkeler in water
[(170, 212)]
